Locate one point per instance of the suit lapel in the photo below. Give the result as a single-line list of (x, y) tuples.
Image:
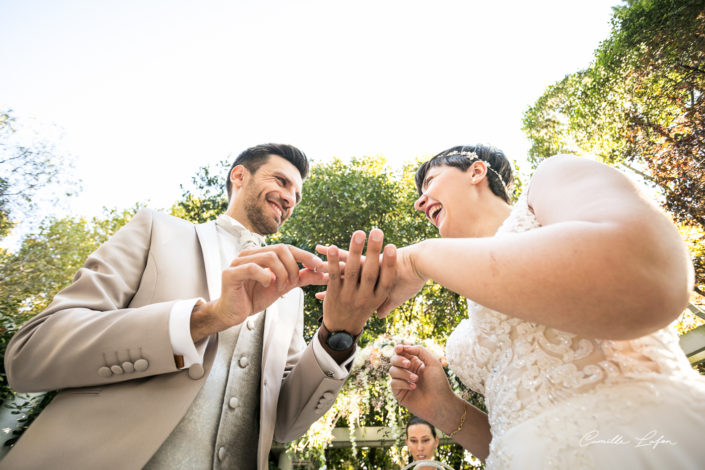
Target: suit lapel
[(270, 319), (279, 325), (208, 238)]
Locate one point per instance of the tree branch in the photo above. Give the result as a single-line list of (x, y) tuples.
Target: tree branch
[(693, 69), (643, 175)]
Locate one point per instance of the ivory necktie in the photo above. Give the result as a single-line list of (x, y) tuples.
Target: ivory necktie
[(248, 240)]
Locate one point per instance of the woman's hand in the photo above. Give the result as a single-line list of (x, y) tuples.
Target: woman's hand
[(419, 382), (407, 282)]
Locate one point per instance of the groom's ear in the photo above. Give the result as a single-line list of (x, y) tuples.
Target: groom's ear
[(238, 176)]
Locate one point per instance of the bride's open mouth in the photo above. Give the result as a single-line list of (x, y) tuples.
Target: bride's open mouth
[(433, 213)]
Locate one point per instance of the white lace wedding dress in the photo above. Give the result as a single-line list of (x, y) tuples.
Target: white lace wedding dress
[(560, 401)]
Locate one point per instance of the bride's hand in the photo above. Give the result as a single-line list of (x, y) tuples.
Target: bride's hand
[(407, 283), (419, 382)]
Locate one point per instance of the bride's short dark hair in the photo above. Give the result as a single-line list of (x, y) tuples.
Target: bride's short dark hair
[(500, 176)]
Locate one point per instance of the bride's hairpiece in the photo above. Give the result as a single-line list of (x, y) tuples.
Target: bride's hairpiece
[(473, 156)]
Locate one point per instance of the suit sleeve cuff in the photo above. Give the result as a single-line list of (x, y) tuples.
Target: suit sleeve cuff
[(340, 371), (180, 334)]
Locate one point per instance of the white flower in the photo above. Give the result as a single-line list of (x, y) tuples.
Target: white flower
[(388, 351)]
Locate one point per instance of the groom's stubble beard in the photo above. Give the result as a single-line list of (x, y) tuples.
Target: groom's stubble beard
[(257, 208)]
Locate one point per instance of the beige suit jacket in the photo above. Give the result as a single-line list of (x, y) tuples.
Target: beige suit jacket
[(116, 313)]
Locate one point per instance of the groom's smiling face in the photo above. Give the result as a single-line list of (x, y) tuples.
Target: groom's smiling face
[(265, 199)]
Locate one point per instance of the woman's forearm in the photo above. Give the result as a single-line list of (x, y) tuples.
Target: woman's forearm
[(592, 279), (474, 434)]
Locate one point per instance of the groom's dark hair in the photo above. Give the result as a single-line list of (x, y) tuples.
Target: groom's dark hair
[(254, 157), (500, 179)]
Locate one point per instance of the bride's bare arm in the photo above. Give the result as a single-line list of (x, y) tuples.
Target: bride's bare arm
[(606, 262)]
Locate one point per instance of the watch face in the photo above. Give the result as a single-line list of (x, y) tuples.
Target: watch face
[(340, 340)]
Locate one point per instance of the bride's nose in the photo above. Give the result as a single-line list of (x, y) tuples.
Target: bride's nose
[(420, 204)]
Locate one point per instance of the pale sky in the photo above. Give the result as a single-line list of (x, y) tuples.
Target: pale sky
[(146, 92)]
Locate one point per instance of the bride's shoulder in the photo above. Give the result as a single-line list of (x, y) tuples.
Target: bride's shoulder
[(556, 170), (568, 187)]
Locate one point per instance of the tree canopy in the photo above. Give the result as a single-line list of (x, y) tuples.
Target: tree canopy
[(640, 104)]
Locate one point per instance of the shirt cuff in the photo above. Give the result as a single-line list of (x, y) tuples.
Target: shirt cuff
[(180, 333), (327, 363)]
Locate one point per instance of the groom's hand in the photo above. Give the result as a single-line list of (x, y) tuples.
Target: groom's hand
[(253, 281), (352, 298)]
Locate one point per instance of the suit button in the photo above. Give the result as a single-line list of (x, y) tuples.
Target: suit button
[(128, 367), (243, 361), (141, 365), (105, 372), (232, 403), (327, 395), (116, 369), (328, 374), (221, 453), (195, 371), (250, 324)]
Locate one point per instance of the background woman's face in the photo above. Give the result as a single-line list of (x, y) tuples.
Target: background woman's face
[(422, 445)]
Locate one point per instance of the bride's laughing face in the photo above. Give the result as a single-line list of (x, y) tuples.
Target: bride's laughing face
[(446, 200)]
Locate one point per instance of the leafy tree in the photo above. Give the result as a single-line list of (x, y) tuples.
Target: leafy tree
[(26, 168), (205, 198), (640, 104)]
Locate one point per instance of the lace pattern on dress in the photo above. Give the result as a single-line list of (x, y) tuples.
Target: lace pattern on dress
[(525, 369)]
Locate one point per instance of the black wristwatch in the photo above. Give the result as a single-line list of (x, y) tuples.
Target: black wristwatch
[(338, 340)]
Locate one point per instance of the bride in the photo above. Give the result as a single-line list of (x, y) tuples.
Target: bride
[(571, 293)]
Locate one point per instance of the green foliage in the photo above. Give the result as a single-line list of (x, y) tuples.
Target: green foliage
[(206, 199), (26, 407), (640, 104), (5, 223)]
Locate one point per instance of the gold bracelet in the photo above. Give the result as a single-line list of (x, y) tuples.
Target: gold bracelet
[(462, 421)]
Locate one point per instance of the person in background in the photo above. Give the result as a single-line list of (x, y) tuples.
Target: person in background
[(422, 441)]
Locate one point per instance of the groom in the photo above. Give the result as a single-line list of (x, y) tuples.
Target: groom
[(180, 346)]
